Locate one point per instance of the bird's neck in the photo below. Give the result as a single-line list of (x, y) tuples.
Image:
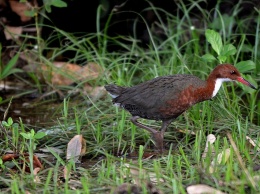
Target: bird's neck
[(215, 83)]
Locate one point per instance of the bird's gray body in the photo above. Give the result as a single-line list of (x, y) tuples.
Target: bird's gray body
[(148, 99)]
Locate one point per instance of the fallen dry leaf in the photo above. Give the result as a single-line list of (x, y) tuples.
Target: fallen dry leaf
[(23, 159), (90, 71), (223, 156), (12, 33), (35, 173), (66, 173), (202, 189), (210, 140), (76, 148), (62, 73), (65, 74), (253, 143), (20, 7), (94, 92)]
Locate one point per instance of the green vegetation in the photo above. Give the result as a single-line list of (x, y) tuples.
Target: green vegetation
[(117, 151)]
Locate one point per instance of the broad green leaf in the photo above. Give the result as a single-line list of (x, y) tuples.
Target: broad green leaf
[(5, 124), (228, 50), (222, 58), (208, 57), (32, 132), (39, 135), (10, 121), (245, 66), (47, 8), (30, 13), (215, 40), (25, 135), (58, 3)]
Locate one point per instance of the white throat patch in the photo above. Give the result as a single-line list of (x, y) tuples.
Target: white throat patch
[(218, 84)]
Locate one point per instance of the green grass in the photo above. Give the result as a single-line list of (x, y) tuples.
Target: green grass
[(119, 152)]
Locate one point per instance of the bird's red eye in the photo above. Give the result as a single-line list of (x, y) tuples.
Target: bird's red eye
[(232, 72)]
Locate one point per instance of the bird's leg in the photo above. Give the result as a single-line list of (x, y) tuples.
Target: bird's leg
[(134, 120), (158, 136)]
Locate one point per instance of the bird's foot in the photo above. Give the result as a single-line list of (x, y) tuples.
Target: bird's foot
[(158, 138)]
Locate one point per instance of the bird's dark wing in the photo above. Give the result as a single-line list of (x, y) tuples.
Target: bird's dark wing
[(146, 98)]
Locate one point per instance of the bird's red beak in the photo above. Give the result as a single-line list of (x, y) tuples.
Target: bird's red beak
[(245, 82)]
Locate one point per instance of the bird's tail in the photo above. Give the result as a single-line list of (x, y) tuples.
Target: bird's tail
[(114, 90)]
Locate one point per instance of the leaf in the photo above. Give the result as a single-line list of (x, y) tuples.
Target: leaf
[(210, 140), (215, 40), (32, 132), (254, 143), (228, 50), (47, 8), (245, 66), (30, 13), (59, 3), (19, 8), (4, 123), (13, 33), (222, 58), (94, 92), (208, 57), (25, 135), (10, 121), (8, 68), (36, 177), (201, 188), (39, 135), (63, 73), (223, 156), (76, 148)]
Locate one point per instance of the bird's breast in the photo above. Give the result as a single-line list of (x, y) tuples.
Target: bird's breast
[(184, 100)]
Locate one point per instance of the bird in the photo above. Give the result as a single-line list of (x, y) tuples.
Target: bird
[(165, 98)]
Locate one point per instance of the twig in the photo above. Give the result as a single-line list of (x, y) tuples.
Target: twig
[(240, 160), (7, 109)]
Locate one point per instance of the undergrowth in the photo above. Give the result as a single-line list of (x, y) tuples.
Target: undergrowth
[(117, 151)]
